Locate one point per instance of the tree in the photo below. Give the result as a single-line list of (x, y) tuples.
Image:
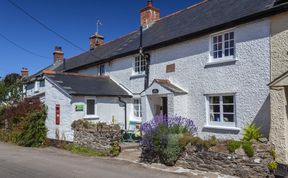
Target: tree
[(11, 79), (11, 88)]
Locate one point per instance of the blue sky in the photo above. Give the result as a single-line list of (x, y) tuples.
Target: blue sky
[(74, 19)]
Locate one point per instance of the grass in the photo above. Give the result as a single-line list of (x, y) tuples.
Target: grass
[(75, 149)]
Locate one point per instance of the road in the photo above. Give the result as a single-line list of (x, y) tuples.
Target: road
[(20, 162)]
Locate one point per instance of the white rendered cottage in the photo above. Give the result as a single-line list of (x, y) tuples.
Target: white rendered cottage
[(210, 62)]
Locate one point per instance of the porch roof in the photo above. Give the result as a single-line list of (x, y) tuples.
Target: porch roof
[(168, 85), (280, 81)]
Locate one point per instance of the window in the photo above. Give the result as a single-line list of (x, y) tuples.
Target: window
[(221, 110), (140, 65), (137, 108), (37, 86), (223, 45), (90, 107), (102, 69)]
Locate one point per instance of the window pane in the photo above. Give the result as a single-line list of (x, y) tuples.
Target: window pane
[(228, 118), (214, 100), (226, 36), (215, 108), (228, 99), (226, 52), (219, 46), (215, 39), (215, 117), (232, 43), (215, 47), (90, 107), (228, 108), (226, 44), (220, 38), (219, 54), (231, 35), (232, 51), (215, 55)]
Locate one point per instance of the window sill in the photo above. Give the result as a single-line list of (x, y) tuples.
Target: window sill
[(222, 128), (221, 61), (91, 117), (134, 76)]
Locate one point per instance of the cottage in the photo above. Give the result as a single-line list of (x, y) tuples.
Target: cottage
[(211, 62)]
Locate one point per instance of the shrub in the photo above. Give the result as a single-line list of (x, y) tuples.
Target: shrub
[(248, 148), (272, 166), (252, 132), (35, 131), (233, 145), (163, 137), (15, 114)]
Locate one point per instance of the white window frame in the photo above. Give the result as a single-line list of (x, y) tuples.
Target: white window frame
[(221, 123), (139, 108), (86, 108), (37, 86), (141, 67), (211, 47)]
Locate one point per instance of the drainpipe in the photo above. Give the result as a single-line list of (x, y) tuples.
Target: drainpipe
[(147, 57), (125, 110)]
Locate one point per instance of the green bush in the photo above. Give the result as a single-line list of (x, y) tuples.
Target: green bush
[(34, 131), (252, 132), (248, 148), (171, 153), (233, 145), (272, 166), (198, 142)]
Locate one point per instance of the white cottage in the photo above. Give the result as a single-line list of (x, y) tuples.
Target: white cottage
[(209, 62)]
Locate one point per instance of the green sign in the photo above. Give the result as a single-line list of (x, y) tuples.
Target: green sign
[(79, 107)]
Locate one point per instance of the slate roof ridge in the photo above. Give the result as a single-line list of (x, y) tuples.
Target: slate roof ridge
[(182, 10), (51, 72)]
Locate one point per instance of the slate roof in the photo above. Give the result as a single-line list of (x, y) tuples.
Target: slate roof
[(197, 20), (85, 85)]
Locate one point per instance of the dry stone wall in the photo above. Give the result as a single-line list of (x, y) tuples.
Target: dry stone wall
[(218, 159)]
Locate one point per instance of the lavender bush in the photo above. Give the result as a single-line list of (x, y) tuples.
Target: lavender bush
[(160, 138)]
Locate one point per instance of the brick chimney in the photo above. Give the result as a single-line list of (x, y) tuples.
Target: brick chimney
[(58, 55), (149, 15), (96, 40), (24, 72)]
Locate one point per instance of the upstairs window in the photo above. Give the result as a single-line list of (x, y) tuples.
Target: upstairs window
[(37, 86), (137, 108), (140, 65), (223, 45), (90, 107)]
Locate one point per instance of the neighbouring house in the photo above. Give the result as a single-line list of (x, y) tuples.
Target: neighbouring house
[(219, 62)]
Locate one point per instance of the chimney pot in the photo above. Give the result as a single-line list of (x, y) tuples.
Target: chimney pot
[(58, 55)]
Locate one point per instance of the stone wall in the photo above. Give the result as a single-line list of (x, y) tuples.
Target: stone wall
[(218, 159), (100, 136)]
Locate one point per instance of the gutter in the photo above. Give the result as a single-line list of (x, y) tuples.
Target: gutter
[(125, 110)]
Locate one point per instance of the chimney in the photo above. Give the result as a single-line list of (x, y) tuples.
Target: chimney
[(96, 40), (24, 72), (149, 15), (58, 55)]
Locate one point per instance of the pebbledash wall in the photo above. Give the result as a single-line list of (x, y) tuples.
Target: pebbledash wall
[(279, 95), (106, 108), (247, 77)]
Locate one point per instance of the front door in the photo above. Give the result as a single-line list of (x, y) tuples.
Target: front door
[(164, 106)]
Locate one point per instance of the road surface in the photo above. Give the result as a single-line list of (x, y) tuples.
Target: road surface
[(20, 162)]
